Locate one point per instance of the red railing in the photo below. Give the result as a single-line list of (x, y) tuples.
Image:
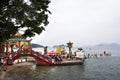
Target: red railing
[(41, 59)]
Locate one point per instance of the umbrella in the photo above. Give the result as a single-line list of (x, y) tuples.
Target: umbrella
[(52, 52)]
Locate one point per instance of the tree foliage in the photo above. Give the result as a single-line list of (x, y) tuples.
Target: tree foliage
[(31, 16)]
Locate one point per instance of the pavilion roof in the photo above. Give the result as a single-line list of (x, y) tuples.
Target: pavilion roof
[(18, 39)]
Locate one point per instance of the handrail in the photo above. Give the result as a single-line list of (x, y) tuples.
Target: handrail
[(32, 53)]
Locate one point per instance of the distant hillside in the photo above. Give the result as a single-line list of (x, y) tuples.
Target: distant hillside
[(36, 45), (112, 46), (59, 46)]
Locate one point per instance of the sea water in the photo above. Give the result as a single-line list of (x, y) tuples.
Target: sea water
[(101, 68)]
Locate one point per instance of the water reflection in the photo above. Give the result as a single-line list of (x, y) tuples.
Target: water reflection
[(27, 72), (65, 72)]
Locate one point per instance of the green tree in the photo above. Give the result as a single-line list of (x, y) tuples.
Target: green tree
[(16, 15)]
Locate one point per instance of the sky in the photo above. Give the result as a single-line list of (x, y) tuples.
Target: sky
[(83, 22)]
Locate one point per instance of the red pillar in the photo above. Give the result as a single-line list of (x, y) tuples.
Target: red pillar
[(19, 44), (7, 48)]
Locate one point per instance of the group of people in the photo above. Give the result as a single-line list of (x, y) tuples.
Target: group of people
[(53, 58), (56, 58)]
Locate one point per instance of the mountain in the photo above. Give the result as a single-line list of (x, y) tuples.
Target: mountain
[(55, 46), (110, 45), (36, 45)]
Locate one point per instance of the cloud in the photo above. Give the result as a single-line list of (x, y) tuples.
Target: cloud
[(86, 22)]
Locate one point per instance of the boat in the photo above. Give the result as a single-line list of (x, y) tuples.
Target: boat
[(77, 58), (64, 62)]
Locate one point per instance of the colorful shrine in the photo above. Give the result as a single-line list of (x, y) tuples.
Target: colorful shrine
[(18, 46), (17, 41)]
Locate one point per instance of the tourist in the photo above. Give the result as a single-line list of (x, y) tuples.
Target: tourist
[(4, 65), (45, 50)]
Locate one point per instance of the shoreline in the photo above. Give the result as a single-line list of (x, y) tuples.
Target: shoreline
[(10, 69)]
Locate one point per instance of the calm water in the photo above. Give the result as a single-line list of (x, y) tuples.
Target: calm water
[(102, 68)]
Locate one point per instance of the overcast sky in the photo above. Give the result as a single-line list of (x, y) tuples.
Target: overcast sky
[(83, 22)]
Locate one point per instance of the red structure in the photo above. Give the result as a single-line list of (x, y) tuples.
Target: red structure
[(41, 59)]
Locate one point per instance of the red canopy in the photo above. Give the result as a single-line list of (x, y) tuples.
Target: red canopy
[(52, 52)]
